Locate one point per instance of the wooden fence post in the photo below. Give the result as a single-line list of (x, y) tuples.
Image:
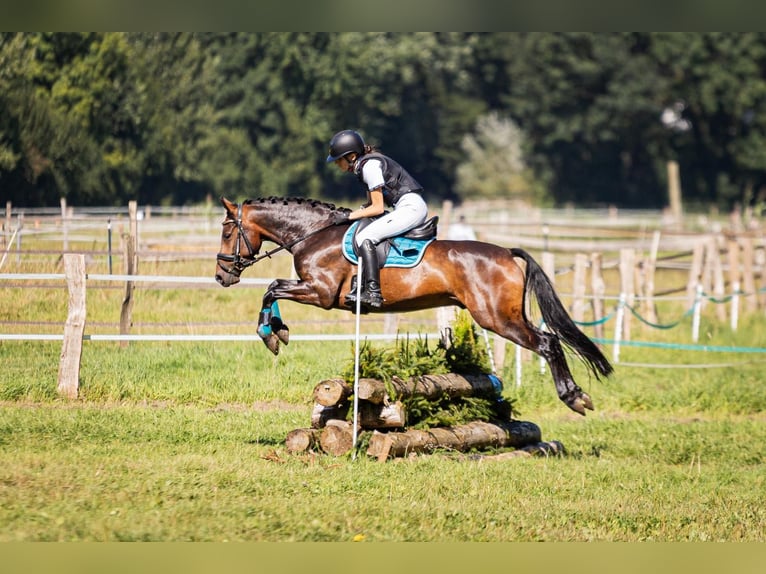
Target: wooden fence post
[(695, 273), (734, 285), (674, 193), (8, 211), (71, 349), (627, 286), (578, 288), (391, 323), (64, 225), (19, 235), (445, 219), (748, 275), (716, 269), (131, 264), (650, 308), (498, 352), (598, 287), (548, 263)]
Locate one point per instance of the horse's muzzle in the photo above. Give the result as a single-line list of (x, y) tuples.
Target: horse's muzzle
[(226, 279)]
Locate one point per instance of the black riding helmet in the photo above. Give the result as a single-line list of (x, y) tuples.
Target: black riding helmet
[(344, 143)]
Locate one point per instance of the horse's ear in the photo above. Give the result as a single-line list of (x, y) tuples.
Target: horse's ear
[(227, 204)]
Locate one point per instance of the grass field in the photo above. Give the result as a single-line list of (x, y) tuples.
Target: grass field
[(185, 441)]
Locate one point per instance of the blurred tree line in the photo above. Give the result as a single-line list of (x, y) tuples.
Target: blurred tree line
[(549, 118)]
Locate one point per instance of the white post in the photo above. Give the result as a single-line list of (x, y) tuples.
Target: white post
[(517, 360), (734, 305), (618, 328), (354, 431), (696, 317)]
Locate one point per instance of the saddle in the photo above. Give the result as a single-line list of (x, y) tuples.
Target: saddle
[(400, 251)]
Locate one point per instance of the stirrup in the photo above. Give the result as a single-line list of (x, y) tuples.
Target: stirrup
[(350, 300)]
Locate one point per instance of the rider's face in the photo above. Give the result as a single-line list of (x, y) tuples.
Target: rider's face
[(344, 163)]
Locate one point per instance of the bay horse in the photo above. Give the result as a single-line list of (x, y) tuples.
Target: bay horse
[(481, 277)]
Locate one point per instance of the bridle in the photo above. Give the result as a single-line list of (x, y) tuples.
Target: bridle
[(241, 262), (238, 262)]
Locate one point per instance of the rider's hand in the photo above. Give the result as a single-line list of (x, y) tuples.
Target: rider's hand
[(340, 218)]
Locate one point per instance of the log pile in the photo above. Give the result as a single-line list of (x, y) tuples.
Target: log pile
[(383, 420)]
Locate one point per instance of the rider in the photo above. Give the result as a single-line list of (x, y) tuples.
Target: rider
[(388, 185)]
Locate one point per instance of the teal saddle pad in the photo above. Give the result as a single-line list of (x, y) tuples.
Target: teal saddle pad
[(403, 251)]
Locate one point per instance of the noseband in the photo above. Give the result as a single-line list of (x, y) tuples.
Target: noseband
[(238, 262)]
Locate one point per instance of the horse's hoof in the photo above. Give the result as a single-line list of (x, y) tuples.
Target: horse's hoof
[(272, 343), (278, 327), (284, 335), (580, 403)]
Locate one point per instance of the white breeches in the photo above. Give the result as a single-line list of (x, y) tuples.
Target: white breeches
[(409, 212)]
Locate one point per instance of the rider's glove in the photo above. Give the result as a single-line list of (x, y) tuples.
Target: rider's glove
[(340, 218)]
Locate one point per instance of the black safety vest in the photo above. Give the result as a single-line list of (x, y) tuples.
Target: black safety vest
[(397, 180)]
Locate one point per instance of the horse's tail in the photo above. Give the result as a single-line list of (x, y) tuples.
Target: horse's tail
[(558, 320)]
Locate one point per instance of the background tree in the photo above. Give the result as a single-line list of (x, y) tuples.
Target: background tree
[(172, 118), (494, 165)]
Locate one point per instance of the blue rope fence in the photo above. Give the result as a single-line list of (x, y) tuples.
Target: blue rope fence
[(694, 312)]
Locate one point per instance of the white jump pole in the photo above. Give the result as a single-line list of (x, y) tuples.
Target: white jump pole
[(354, 432)]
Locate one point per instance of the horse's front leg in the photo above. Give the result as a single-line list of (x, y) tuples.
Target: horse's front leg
[(271, 328)]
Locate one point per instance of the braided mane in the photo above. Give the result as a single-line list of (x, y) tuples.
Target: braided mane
[(312, 203)]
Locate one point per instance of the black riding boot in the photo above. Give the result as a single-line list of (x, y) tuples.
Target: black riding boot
[(371, 295)]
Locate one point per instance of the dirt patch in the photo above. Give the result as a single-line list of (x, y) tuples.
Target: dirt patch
[(258, 406)]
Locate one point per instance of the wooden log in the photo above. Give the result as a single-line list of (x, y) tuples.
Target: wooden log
[(374, 390), (331, 392), (302, 440), (337, 438), (549, 448), (474, 435), (428, 386), (321, 414), (372, 416)]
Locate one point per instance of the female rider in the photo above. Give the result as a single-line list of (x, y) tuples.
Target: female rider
[(388, 185)]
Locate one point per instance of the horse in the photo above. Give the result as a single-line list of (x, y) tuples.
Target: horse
[(481, 277)]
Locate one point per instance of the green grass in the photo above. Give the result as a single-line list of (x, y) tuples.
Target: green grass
[(164, 472), (177, 441)]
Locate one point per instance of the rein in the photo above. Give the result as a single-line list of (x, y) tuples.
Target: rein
[(238, 262)]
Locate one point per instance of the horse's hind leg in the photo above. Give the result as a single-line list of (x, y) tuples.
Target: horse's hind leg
[(548, 346), (569, 392)]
